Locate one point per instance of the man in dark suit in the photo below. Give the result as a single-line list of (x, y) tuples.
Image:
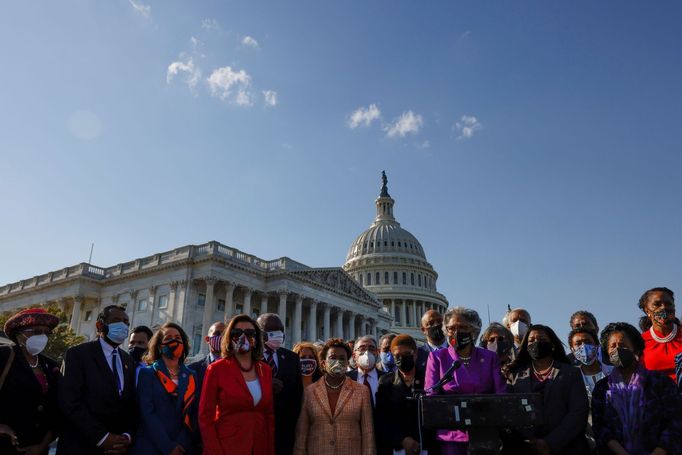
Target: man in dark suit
[(286, 382), (213, 338), (97, 392), (365, 355), (432, 328)]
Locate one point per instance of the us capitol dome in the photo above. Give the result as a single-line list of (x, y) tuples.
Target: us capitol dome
[(389, 261)]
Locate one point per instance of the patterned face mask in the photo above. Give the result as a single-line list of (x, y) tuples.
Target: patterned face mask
[(663, 316), (214, 342), (337, 367), (241, 344), (586, 354)]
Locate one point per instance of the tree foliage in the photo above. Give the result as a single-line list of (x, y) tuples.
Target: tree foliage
[(62, 337)]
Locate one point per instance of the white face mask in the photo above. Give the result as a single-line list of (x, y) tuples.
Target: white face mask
[(519, 329), (36, 344), (275, 339), (367, 360)]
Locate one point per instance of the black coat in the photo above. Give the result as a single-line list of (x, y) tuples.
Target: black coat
[(89, 400), (564, 411), (396, 415), (23, 405), (288, 401)]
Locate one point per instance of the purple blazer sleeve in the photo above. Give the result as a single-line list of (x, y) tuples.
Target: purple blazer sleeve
[(496, 373), (432, 372)]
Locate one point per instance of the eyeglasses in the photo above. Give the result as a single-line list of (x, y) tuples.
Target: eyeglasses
[(237, 333)]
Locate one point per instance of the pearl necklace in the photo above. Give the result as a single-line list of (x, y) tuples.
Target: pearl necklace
[(334, 387), (665, 339), (544, 374), (35, 365)]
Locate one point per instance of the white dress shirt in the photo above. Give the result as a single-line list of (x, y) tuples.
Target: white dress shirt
[(433, 347), (372, 378)]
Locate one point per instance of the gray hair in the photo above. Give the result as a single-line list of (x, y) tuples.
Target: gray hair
[(469, 315), (365, 338)]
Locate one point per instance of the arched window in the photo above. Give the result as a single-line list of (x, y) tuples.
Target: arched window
[(377, 278), (395, 277), (369, 279), (404, 278), (412, 279), (420, 280), (386, 278)]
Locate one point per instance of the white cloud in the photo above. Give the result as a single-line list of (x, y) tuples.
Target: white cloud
[(142, 9), (210, 24), (364, 116), (250, 41), (467, 126), (270, 97), (407, 123), (243, 98), (223, 80), (193, 72)]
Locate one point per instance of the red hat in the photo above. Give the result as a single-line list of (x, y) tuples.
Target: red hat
[(30, 317)]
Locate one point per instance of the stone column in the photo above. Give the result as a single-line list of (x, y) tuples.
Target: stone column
[(414, 313), (312, 321), (351, 325), (179, 308), (209, 308), (282, 307), (298, 320), (229, 301), (363, 328), (393, 310), (132, 307), (173, 286), (264, 303), (151, 299), (403, 313), (326, 328), (339, 324), (76, 313), (247, 301)]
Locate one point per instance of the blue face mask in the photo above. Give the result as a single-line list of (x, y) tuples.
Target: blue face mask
[(117, 332), (387, 359), (586, 354)]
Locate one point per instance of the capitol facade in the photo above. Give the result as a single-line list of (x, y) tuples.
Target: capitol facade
[(389, 261), (384, 286)]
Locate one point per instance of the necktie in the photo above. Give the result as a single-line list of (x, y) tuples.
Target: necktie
[(271, 362), (114, 368), (365, 381)]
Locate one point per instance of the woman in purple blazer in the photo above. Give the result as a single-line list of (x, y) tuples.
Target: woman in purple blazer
[(479, 373)]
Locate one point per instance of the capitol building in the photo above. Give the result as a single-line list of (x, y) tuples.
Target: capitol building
[(384, 286)]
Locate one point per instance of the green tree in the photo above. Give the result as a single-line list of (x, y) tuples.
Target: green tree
[(62, 337)]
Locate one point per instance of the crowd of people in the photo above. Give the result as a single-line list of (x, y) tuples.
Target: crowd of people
[(616, 391)]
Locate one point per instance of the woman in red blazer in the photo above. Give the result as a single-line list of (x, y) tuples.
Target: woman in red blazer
[(236, 415)]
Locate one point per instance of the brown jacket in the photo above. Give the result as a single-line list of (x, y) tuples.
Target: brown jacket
[(349, 432)]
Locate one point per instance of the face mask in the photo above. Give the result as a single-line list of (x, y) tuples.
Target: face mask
[(622, 358), (405, 363), (586, 354), (540, 350), (337, 367), (275, 339), (519, 329), (172, 349), (435, 334), (663, 317), (308, 366), (499, 347), (241, 344), (214, 343), (117, 332), (137, 352), (36, 344), (461, 340), (367, 360), (387, 360), (352, 363)]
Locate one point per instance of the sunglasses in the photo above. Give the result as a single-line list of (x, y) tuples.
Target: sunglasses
[(236, 333)]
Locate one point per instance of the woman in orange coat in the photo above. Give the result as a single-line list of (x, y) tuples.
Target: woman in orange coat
[(236, 415)]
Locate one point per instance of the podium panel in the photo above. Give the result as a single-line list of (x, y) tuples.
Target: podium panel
[(464, 412)]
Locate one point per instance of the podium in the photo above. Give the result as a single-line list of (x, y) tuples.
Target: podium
[(482, 416)]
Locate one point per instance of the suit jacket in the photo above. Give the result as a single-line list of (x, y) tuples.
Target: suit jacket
[(353, 374), (287, 401), (230, 424), (25, 408), (482, 375), (423, 352), (89, 399), (162, 425), (565, 408), (349, 431)]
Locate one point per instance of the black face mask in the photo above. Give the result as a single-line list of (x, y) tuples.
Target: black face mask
[(540, 350), (137, 352), (622, 358), (503, 347), (435, 334), (405, 363), (464, 339)]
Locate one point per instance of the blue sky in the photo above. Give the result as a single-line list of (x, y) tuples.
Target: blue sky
[(532, 147)]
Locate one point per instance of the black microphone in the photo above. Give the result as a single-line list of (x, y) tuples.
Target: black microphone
[(447, 377)]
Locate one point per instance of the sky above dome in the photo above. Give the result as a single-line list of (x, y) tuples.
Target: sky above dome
[(533, 148)]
